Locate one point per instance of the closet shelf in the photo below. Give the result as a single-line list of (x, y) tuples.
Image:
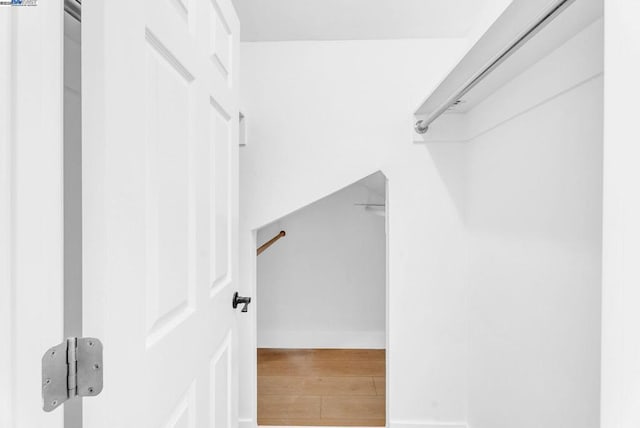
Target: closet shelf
[(531, 28)]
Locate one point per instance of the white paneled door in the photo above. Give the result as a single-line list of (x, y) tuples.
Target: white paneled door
[(160, 187)]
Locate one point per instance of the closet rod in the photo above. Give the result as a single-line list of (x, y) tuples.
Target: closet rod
[(74, 8), (422, 126)]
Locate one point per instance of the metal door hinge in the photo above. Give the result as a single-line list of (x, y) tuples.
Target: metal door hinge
[(71, 369)]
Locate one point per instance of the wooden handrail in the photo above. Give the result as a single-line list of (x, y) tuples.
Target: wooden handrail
[(270, 242)]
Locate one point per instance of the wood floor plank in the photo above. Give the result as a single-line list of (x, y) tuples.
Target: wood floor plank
[(280, 385), (289, 407), (266, 355), (326, 368), (271, 354), (381, 385), (353, 407), (316, 385), (347, 354)]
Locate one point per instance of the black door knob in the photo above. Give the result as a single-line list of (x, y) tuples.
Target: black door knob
[(239, 300)]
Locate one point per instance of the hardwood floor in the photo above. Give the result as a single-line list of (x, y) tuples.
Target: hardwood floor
[(321, 387)]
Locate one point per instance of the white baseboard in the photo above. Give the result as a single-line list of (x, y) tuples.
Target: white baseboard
[(322, 339), (405, 424), (246, 423)]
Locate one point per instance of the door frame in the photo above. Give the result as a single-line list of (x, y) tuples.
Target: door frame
[(31, 205), (253, 321)]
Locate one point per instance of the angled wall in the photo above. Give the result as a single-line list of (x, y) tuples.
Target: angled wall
[(324, 284)]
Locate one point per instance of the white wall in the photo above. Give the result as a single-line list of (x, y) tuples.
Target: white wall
[(621, 270), (534, 219), (323, 115), (485, 17), (323, 285)]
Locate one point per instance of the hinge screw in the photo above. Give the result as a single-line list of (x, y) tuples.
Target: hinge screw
[(54, 402), (96, 366), (90, 390)]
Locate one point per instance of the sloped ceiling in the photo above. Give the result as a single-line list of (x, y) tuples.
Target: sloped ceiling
[(279, 20)]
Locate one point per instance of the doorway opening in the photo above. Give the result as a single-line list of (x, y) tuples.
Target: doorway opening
[(321, 303)]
